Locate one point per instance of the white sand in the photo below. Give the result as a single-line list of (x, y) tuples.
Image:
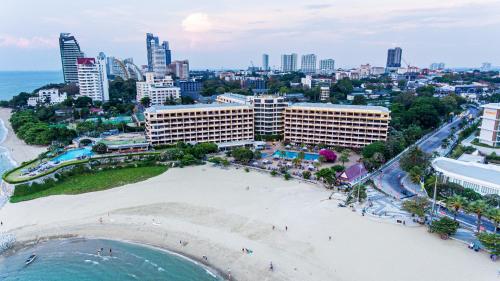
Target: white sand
[(19, 150), (211, 209)]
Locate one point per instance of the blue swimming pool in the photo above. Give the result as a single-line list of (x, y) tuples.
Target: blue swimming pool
[(294, 154), (74, 154)]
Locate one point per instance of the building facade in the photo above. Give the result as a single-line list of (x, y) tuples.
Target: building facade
[(159, 55), (335, 125), (190, 89), (158, 90), (308, 63), (394, 57), (490, 125), (268, 112), (324, 93), (70, 52), (47, 97), (265, 62), (217, 123), (92, 79), (327, 66), (482, 178), (289, 63), (180, 68)]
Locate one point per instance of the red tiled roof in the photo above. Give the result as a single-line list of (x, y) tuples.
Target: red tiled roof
[(85, 60)]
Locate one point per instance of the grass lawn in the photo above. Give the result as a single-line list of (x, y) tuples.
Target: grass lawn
[(99, 180)]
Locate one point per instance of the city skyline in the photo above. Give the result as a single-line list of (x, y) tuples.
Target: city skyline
[(211, 35)]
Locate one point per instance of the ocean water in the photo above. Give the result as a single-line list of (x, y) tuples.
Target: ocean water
[(14, 82), (77, 259)]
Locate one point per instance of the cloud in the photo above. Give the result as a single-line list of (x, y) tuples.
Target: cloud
[(197, 22), (35, 42)]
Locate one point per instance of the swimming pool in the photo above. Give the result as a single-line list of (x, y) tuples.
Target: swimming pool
[(294, 154), (74, 154)]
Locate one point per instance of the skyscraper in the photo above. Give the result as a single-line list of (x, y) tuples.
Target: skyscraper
[(308, 63), (159, 56), (394, 57), (92, 79), (180, 68), (289, 62), (327, 66), (70, 52), (265, 62)]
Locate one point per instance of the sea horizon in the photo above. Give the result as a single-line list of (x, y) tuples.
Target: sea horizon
[(14, 82)]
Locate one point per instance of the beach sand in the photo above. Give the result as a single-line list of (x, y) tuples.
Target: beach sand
[(214, 214), (19, 151)]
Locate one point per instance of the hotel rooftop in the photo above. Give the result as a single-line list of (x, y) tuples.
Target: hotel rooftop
[(156, 108), (340, 106)]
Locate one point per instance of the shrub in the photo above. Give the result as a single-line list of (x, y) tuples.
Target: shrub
[(444, 227), (274, 173), (287, 176), (329, 155), (306, 175)]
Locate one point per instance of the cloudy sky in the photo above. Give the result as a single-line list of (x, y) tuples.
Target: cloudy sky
[(232, 33)]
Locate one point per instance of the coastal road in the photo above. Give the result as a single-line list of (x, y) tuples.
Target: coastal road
[(391, 178)]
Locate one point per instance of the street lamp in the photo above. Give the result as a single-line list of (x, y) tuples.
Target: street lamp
[(434, 197)]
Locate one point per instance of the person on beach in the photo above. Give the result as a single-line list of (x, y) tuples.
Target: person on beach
[(110, 252), (271, 267), (286, 228), (274, 227), (329, 238)]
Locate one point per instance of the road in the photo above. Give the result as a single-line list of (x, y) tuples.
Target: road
[(391, 177)]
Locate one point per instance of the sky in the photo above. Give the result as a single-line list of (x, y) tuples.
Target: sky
[(219, 34)]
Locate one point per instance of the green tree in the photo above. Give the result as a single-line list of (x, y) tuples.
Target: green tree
[(414, 157), (416, 173), (100, 148), (479, 208), (145, 101), (490, 241), (372, 148), (328, 175), (359, 100), (493, 214), (242, 155), (455, 203), (445, 227), (306, 175), (417, 206), (344, 156)]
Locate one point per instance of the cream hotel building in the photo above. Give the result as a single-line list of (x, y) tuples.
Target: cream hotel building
[(335, 124), (301, 123), (218, 123)]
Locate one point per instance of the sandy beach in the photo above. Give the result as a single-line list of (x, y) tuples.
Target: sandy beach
[(19, 151), (213, 213)]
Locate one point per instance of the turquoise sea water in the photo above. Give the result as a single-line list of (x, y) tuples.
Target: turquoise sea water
[(14, 82), (77, 259)]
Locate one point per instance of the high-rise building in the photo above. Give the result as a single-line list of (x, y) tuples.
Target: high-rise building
[(157, 90), (70, 52), (394, 57), (437, 66), (180, 68), (92, 79), (490, 125), (289, 62), (327, 66), (308, 63), (159, 55), (486, 66), (265, 62)]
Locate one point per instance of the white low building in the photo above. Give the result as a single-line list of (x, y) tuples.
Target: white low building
[(482, 178), (47, 97), (158, 90)]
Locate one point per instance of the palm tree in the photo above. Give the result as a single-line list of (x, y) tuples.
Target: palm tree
[(344, 156), (494, 215), (282, 154), (456, 203), (478, 207)]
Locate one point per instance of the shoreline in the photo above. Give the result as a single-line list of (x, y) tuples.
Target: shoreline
[(215, 215), (16, 149), (26, 244)]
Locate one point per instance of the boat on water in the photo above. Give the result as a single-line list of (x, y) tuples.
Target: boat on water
[(30, 259)]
